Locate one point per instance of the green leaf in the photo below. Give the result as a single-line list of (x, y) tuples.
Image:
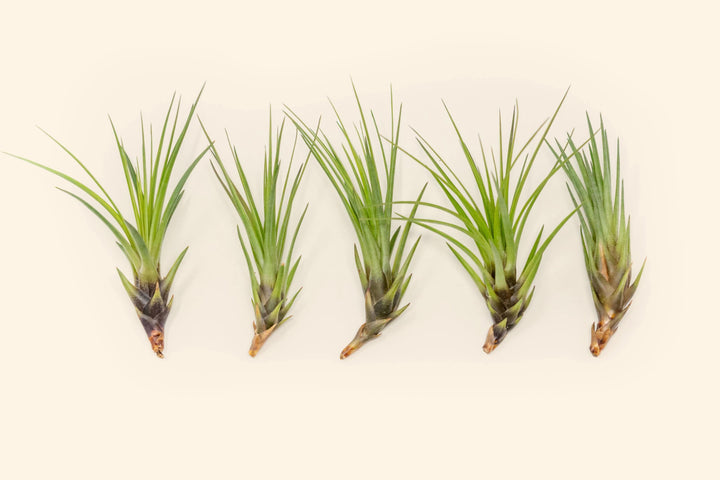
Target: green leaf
[(485, 227), (167, 282), (266, 229)]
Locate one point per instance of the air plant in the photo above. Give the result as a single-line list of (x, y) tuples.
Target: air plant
[(604, 230), (484, 230), (269, 258), (141, 236), (354, 171)]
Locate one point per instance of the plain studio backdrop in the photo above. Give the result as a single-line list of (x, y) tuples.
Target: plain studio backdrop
[(84, 397)]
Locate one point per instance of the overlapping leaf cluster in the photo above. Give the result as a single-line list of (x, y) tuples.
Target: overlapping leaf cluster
[(357, 174), (485, 229), (605, 229), (268, 247), (154, 202)]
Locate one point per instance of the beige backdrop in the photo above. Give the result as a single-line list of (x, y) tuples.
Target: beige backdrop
[(82, 396)]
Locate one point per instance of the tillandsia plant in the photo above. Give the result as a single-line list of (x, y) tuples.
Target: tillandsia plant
[(268, 232), (604, 230), (383, 261), (485, 230), (154, 202)]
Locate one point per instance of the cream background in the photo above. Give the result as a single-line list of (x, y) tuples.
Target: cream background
[(83, 397)]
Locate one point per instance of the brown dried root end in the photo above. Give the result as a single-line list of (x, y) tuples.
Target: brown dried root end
[(490, 343), (495, 335), (259, 340), (600, 335), (361, 337), (157, 341)]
